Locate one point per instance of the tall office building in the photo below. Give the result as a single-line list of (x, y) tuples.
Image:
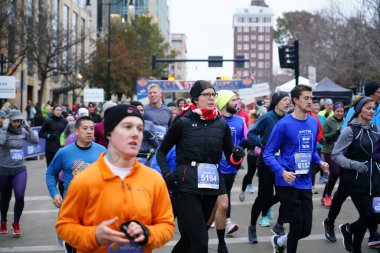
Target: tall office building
[(157, 9), (253, 38), (178, 44)]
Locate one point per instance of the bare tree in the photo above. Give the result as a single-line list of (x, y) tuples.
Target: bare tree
[(51, 47)]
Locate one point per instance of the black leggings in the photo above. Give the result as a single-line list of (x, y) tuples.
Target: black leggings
[(229, 181), (298, 208), (193, 212), (251, 161), (340, 196), (334, 175), (265, 196)]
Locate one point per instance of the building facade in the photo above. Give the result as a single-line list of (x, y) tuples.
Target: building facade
[(253, 38), (68, 21), (158, 10), (178, 45)]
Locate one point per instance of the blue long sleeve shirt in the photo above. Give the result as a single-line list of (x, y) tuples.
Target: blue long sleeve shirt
[(292, 137), (236, 124), (71, 160), (259, 132)]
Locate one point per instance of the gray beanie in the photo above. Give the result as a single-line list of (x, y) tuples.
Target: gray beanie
[(3, 114), (15, 115)]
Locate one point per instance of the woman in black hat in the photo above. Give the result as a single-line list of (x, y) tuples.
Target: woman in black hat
[(201, 135)]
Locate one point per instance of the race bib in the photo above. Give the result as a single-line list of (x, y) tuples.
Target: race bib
[(208, 176), (302, 161), (125, 248), (376, 204), (16, 154)]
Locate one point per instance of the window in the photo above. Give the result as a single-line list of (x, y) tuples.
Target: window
[(267, 29), (239, 29), (261, 38), (267, 64), (267, 38), (253, 28), (260, 65), (239, 38), (253, 55), (253, 37), (245, 29), (261, 29), (246, 38), (261, 47), (267, 46), (253, 64), (253, 46), (239, 73), (239, 46), (267, 56), (246, 55), (260, 56), (245, 73), (246, 47)]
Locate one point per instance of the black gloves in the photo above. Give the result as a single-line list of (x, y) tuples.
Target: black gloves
[(358, 166), (25, 125), (148, 134), (238, 153), (247, 144), (170, 180), (124, 229)]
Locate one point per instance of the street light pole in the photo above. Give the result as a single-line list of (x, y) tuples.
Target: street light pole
[(109, 53)]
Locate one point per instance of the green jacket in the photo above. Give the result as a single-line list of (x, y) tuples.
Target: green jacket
[(331, 131)]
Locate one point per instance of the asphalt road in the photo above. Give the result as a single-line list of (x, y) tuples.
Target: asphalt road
[(39, 217)]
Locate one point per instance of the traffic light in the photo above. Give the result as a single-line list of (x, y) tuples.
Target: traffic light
[(239, 61), (288, 57), (215, 61)]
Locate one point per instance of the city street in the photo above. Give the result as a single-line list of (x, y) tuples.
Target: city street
[(40, 215)]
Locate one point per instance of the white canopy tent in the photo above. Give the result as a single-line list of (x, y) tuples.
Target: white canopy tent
[(287, 87)]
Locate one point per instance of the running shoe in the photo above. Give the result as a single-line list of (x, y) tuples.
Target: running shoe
[(277, 248), (16, 229), (329, 231), (270, 214), (323, 200), (328, 201), (264, 222), (347, 236), (250, 188), (278, 229), (231, 228), (242, 196), (374, 240), (252, 236), (3, 227)]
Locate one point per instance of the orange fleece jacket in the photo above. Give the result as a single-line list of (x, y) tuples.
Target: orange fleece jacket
[(96, 195)]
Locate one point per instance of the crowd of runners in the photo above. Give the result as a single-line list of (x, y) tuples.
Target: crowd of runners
[(102, 164)]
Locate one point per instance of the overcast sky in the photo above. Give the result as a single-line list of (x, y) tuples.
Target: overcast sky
[(208, 27)]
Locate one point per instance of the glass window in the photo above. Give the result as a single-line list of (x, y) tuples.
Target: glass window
[(267, 46), (253, 37), (261, 29), (253, 28), (253, 46), (261, 47), (260, 56), (239, 47), (239, 38), (253, 55), (267, 56), (245, 29), (261, 38), (246, 47), (239, 29), (246, 37)]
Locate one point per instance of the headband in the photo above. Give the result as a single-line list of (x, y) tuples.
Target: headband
[(361, 103), (338, 105)]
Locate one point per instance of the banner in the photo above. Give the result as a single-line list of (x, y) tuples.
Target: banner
[(7, 87), (93, 95), (185, 86), (31, 149)]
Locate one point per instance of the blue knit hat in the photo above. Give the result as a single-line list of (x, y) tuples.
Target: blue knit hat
[(3, 114)]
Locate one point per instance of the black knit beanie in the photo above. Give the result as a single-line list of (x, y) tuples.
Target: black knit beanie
[(117, 113), (276, 98), (371, 87), (198, 87)]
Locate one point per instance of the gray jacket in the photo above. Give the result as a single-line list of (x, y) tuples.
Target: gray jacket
[(11, 145)]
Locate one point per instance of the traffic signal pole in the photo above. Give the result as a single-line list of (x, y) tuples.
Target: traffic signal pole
[(216, 60), (296, 62)]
